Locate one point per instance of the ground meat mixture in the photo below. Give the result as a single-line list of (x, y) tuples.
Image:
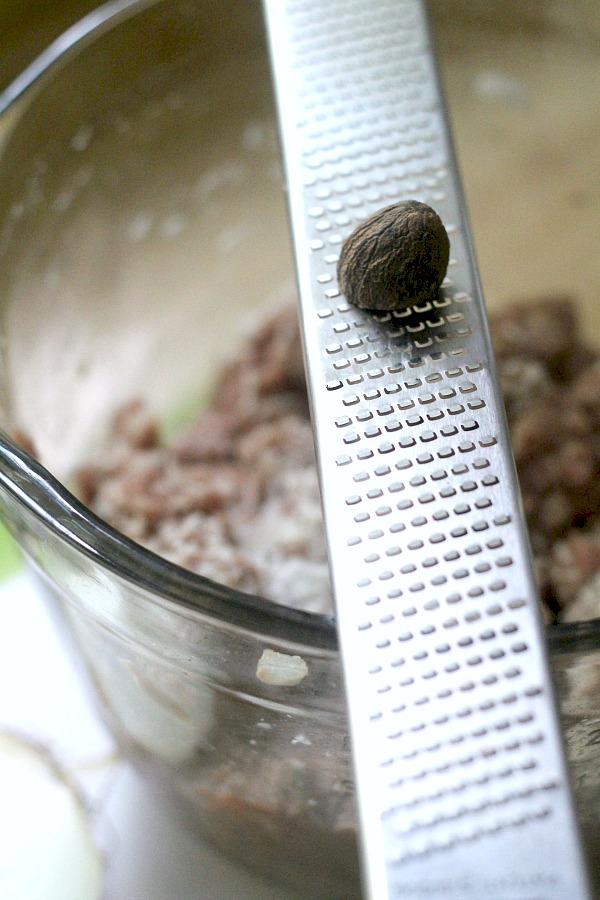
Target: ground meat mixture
[(551, 384), (236, 496)]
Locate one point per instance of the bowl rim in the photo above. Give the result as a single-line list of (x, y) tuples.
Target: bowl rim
[(70, 43), (35, 489), (42, 495)]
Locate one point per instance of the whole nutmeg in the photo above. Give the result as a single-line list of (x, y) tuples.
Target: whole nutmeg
[(395, 258)]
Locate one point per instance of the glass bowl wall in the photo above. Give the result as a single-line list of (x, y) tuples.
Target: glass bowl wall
[(142, 232)]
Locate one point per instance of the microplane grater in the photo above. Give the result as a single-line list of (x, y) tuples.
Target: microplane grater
[(462, 784)]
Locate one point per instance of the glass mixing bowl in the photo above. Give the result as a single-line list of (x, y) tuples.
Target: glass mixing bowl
[(142, 229)]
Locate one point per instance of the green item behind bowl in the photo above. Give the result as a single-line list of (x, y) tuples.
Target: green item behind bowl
[(11, 559)]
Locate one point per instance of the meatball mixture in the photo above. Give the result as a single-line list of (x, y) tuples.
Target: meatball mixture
[(236, 496)]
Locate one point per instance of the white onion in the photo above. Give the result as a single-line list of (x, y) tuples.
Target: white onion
[(46, 847)]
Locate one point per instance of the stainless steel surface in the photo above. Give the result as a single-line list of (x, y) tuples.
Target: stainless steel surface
[(461, 779)]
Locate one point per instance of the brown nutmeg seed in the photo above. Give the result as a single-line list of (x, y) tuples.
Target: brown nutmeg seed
[(395, 258)]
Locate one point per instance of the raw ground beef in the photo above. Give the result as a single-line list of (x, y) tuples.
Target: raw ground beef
[(551, 384), (236, 496)]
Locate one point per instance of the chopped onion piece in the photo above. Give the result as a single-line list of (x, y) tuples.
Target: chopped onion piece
[(281, 669)]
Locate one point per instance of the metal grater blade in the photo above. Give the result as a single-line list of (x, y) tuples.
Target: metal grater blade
[(461, 778)]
